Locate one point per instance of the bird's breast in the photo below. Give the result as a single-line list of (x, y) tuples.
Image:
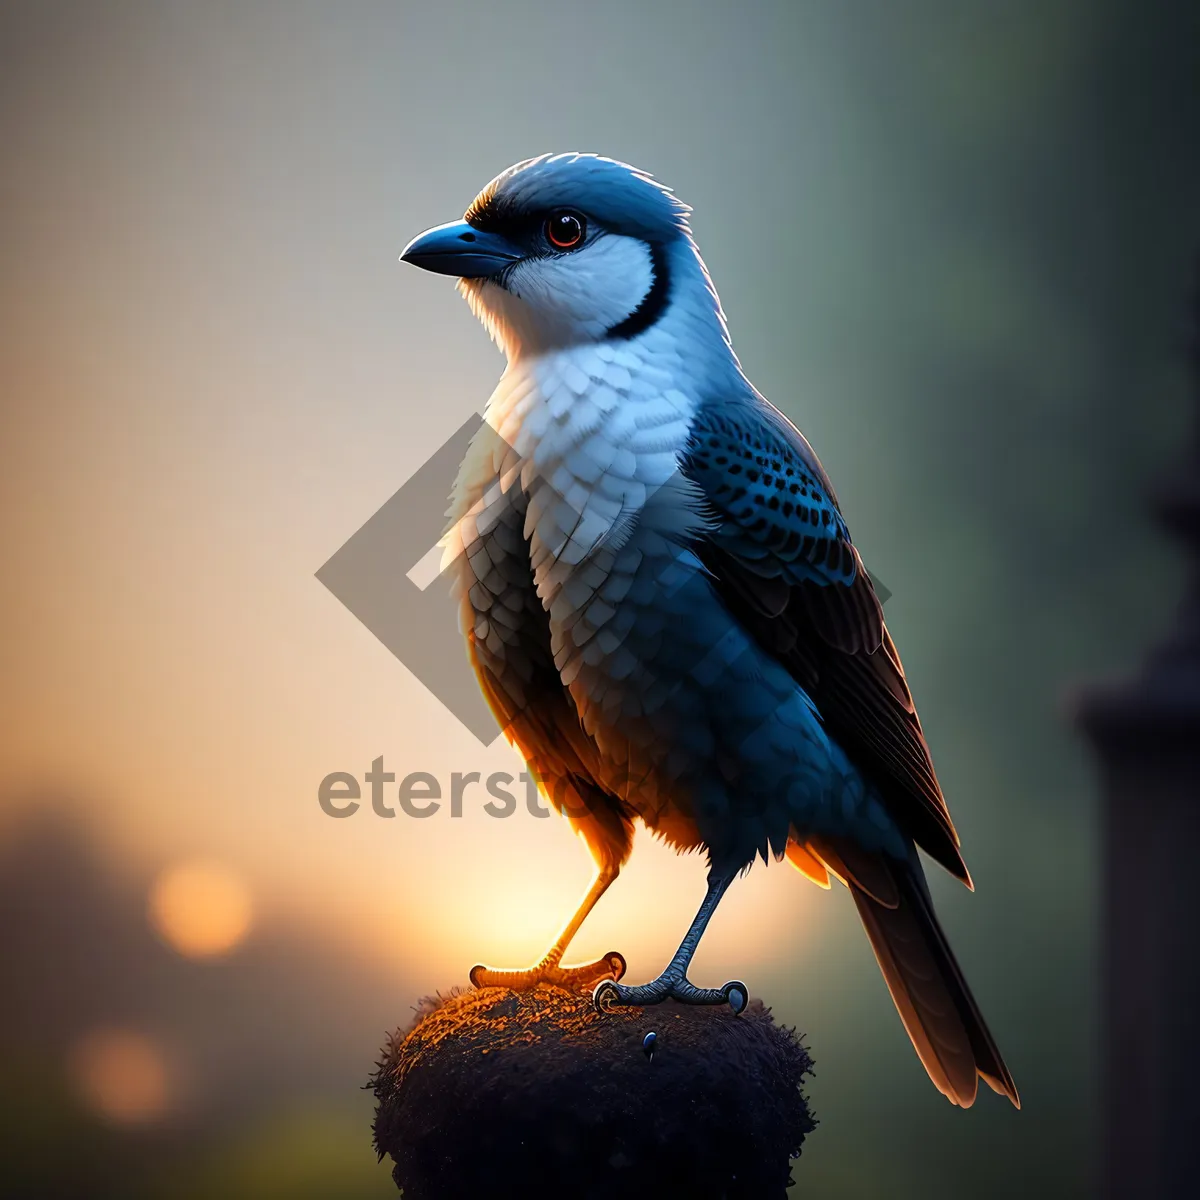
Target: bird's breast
[(590, 434)]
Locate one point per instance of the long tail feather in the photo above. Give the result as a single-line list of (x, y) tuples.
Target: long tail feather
[(933, 999)]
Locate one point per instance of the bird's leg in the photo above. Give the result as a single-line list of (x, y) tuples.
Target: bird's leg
[(549, 970), (673, 982)]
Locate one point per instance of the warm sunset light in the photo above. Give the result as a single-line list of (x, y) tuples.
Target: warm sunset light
[(121, 1076), (200, 909)]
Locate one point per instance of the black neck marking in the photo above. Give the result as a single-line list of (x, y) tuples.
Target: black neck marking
[(653, 303)]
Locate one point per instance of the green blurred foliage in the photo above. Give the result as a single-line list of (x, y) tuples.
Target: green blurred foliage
[(55, 1148), (310, 1155)]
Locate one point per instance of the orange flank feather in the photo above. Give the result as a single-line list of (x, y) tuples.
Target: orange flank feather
[(807, 864)]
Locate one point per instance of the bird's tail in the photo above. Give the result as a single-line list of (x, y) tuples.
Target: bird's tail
[(937, 1008)]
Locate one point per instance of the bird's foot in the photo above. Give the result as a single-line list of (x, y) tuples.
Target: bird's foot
[(611, 994), (571, 979)]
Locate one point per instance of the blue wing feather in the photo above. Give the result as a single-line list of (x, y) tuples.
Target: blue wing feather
[(780, 550), (775, 517)]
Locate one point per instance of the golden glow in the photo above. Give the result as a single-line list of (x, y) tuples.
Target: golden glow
[(808, 864), (200, 909), (122, 1076)]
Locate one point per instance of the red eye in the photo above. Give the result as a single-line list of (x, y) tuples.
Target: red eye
[(565, 229)]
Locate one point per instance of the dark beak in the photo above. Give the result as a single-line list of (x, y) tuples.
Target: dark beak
[(460, 249)]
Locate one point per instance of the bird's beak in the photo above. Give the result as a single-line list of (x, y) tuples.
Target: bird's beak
[(460, 249)]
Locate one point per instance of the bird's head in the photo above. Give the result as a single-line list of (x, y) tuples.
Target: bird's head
[(567, 249)]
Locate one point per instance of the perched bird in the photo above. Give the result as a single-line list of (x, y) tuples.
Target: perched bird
[(662, 602)]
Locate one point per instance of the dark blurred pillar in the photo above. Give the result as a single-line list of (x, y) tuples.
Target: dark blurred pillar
[(1146, 733)]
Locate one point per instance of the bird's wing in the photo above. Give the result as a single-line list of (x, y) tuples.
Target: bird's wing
[(782, 558), (508, 645)]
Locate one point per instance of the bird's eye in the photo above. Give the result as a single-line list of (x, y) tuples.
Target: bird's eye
[(565, 229)]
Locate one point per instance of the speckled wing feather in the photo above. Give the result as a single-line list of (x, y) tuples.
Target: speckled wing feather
[(781, 524), (781, 554)]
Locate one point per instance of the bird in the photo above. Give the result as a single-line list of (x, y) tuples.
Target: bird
[(662, 603)]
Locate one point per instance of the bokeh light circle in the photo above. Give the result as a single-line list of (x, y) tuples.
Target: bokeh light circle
[(200, 909), (122, 1076)]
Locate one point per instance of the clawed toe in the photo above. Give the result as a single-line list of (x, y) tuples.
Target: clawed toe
[(571, 979), (738, 996), (583, 979), (611, 994)]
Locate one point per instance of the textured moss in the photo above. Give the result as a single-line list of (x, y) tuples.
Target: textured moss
[(500, 1093)]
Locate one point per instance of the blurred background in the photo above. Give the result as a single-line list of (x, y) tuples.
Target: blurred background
[(953, 241)]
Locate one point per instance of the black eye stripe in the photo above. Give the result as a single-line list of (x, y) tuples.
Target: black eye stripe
[(528, 230)]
